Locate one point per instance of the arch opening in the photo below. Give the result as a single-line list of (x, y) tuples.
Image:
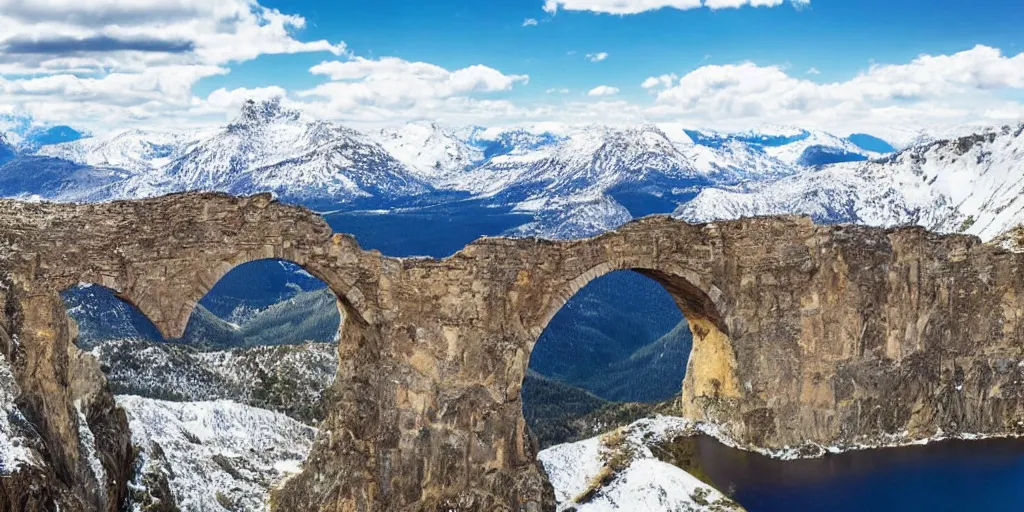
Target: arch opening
[(618, 348), (231, 407), (687, 372)]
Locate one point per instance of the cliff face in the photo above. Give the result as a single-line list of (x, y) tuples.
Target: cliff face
[(803, 335)]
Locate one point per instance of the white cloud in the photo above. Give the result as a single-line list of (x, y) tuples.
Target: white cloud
[(927, 90), (530, 22), (101, 62), (735, 4), (603, 90), (417, 78), (597, 57), (659, 81), (390, 87), (129, 35), (813, 71), (623, 7), (556, 90)]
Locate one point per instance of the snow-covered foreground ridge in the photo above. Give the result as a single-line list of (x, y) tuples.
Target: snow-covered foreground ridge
[(213, 456), (971, 184), (617, 471)]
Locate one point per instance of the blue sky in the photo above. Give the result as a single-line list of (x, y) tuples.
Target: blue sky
[(809, 62), (839, 38)]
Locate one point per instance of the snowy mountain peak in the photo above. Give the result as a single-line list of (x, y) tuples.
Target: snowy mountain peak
[(255, 113), (968, 184), (433, 152)]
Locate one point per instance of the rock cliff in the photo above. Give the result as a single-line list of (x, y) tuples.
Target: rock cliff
[(804, 335)]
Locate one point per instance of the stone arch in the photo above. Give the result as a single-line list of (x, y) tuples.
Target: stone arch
[(144, 324), (693, 293), (348, 301), (171, 315), (711, 373)]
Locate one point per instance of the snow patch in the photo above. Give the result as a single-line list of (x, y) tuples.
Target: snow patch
[(645, 483), (217, 451), (88, 442), (15, 451)]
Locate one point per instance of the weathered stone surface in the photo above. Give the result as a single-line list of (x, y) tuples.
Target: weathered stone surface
[(802, 334)]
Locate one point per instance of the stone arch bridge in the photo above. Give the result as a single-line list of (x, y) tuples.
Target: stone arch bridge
[(804, 335)]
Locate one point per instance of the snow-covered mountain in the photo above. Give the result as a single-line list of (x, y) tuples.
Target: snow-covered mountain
[(432, 152), (495, 142), (134, 151), (598, 177), (574, 180), (598, 159), (272, 148), (268, 148), (970, 184), (211, 456), (791, 145)]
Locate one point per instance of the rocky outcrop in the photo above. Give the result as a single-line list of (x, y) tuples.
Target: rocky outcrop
[(803, 335)]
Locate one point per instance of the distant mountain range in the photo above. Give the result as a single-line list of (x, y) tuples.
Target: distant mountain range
[(577, 182), (571, 182), (971, 184)]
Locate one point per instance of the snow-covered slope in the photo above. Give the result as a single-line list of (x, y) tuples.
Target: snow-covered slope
[(276, 149), (213, 456), (291, 379), (135, 151), (971, 184), (618, 471), (589, 162), (576, 186), (17, 448), (789, 144), (576, 220), (432, 152)]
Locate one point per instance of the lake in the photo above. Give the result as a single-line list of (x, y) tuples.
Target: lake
[(943, 476)]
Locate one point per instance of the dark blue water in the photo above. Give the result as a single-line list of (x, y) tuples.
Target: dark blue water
[(438, 231), (946, 476)]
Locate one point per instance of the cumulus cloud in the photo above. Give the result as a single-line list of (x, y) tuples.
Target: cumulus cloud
[(603, 90), (131, 60), (813, 71), (924, 91), (143, 33), (597, 57), (557, 90), (395, 87), (665, 80), (530, 22), (623, 7)]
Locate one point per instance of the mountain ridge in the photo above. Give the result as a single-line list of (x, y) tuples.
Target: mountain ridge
[(576, 181)]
